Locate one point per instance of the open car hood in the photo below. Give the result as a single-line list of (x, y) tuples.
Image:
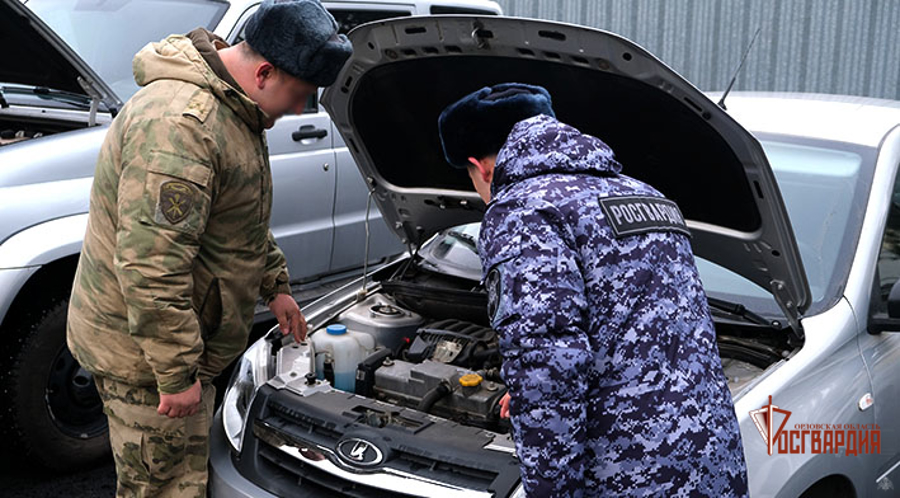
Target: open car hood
[(663, 130), (34, 55)]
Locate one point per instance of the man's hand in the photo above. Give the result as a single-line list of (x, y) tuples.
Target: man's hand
[(290, 320), (182, 404), (504, 406)]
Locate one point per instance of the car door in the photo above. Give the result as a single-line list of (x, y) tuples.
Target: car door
[(351, 195), (882, 352), (301, 154), (303, 179)]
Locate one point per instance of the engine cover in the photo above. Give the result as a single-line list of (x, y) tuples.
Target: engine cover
[(406, 384), (457, 342)]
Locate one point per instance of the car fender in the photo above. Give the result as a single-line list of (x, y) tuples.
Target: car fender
[(43, 243)]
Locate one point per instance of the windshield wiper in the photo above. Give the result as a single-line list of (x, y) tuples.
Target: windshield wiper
[(43, 92), (741, 311), (62, 96)]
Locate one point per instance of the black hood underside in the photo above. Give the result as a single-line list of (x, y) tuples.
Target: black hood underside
[(657, 140), (662, 129)]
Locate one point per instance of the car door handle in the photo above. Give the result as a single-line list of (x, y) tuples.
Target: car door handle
[(309, 131)]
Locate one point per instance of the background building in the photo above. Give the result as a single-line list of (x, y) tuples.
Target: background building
[(826, 46)]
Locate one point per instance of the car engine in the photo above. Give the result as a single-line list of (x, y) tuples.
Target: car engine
[(448, 368)]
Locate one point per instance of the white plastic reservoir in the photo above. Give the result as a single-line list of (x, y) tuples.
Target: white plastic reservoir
[(344, 349)]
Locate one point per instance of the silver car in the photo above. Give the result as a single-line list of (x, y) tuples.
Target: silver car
[(794, 209), (64, 71)]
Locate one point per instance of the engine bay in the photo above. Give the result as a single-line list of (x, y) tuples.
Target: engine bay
[(10, 136), (20, 129), (448, 366)]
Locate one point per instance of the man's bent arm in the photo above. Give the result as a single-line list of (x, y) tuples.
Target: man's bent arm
[(539, 310), (164, 199), (275, 278)]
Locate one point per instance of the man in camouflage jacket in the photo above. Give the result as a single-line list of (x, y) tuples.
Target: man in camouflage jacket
[(178, 246), (609, 351)]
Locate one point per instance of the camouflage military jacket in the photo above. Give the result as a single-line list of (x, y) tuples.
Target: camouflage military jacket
[(609, 349), (178, 246)]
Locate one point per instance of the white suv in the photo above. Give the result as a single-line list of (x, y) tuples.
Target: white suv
[(64, 71)]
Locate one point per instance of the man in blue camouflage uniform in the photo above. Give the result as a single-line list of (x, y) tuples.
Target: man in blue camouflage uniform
[(616, 386)]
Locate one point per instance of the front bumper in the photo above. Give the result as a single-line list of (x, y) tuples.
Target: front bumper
[(293, 443), (224, 479)]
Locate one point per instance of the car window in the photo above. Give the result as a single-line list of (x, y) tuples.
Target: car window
[(108, 34), (889, 255)]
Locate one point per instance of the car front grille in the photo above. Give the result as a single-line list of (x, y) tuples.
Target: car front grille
[(313, 481), (291, 448)]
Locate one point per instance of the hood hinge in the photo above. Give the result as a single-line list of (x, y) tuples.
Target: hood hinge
[(789, 307)]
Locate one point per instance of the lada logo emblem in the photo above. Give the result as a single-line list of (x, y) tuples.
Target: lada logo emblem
[(359, 452)]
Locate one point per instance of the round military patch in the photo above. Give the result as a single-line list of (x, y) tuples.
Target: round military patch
[(493, 285), (176, 200)]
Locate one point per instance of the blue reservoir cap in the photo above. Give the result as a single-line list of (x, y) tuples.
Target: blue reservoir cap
[(336, 329)]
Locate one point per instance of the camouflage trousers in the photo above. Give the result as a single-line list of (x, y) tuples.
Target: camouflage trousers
[(156, 455)]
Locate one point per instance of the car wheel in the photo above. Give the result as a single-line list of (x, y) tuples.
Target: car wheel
[(55, 413)]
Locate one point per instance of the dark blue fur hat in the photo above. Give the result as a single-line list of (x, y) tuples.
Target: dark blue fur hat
[(477, 125), (299, 37)]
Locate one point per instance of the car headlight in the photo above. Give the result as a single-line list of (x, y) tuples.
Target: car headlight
[(250, 374)]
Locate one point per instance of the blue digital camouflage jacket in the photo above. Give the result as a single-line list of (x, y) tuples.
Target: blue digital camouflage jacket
[(609, 349)]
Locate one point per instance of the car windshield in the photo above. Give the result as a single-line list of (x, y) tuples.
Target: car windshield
[(454, 252), (825, 189), (108, 34)]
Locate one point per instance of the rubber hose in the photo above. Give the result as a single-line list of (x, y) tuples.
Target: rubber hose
[(432, 397)]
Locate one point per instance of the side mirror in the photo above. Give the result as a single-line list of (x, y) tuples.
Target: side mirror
[(891, 323)]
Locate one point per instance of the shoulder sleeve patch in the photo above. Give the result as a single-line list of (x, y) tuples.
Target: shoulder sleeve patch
[(632, 215), (498, 283), (176, 199), (494, 286), (200, 105)]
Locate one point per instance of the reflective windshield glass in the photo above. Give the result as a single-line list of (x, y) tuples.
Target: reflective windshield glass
[(454, 252), (825, 189), (108, 34)]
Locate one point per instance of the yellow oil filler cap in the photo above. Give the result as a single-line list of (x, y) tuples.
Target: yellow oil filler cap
[(470, 380)]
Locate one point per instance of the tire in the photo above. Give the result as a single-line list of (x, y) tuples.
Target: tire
[(55, 415)]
